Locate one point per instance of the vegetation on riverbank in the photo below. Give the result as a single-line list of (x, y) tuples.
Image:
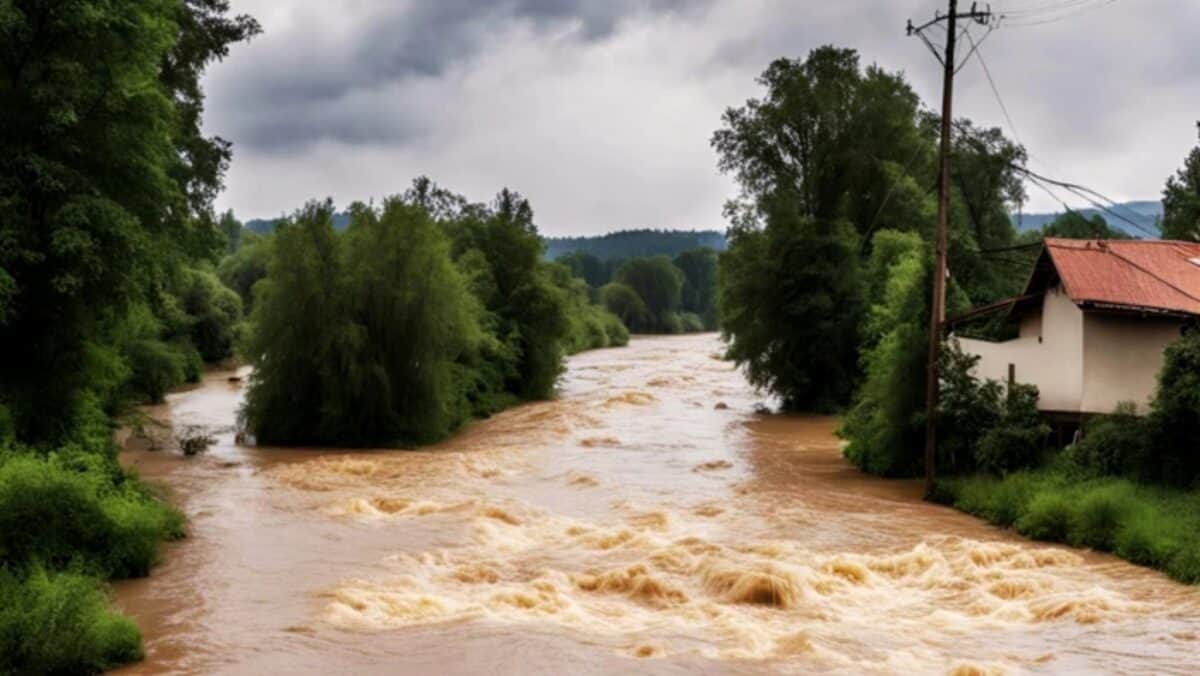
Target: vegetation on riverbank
[(1148, 525), (425, 312), (107, 299)]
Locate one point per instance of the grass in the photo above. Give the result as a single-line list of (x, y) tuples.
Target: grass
[(60, 623), (69, 521), (1148, 525)]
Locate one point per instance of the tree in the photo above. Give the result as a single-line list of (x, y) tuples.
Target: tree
[(824, 131), (621, 300), (587, 267), (359, 338), (699, 293), (658, 283), (99, 166), (232, 228), (1181, 200), (791, 306)]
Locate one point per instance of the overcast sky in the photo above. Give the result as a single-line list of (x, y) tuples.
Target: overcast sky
[(600, 111)]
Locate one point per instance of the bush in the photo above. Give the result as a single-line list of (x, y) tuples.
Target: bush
[(65, 511), (1099, 515), (60, 623), (155, 368), (1019, 436), (1113, 445), (1174, 419), (1046, 517)]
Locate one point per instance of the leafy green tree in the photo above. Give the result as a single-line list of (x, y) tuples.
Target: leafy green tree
[(885, 425), (587, 267), (791, 304), (242, 269), (658, 283), (232, 228), (1175, 416), (102, 162), (699, 293), (621, 300), (1181, 200), (359, 339), (825, 131)]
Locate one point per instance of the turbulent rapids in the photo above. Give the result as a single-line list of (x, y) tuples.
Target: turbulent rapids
[(647, 519)]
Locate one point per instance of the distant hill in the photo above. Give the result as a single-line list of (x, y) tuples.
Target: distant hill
[(266, 226), (1145, 213), (630, 243)]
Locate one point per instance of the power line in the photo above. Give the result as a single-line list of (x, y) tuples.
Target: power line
[(1088, 194), (995, 90), (1053, 14)]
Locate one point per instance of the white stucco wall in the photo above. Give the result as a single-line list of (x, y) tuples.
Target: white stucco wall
[(1047, 354), (1121, 359)]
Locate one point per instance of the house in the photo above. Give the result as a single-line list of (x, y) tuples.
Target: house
[(1094, 320)]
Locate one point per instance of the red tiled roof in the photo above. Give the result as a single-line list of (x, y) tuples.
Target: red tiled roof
[(1157, 275)]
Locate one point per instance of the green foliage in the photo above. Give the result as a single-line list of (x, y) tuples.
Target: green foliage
[(357, 339), (242, 269), (1152, 526), (884, 428), (969, 412), (791, 304), (590, 326), (1114, 445), (625, 303), (66, 510), (1019, 436), (1181, 200), (699, 293), (1175, 416), (659, 284), (587, 267), (211, 312), (1073, 225), (624, 244), (59, 623)]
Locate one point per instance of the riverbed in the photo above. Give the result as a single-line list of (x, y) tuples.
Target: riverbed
[(647, 519)]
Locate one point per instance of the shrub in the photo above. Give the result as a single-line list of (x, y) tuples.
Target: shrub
[(1114, 444), (155, 368), (1017, 440), (1099, 515), (1174, 419), (64, 511), (60, 623), (1046, 517)]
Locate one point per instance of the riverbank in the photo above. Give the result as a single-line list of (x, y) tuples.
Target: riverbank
[(1150, 526)]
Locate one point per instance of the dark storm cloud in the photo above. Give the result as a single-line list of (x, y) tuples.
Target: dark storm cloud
[(601, 110), (311, 76)]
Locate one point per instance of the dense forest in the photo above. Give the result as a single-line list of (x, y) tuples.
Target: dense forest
[(108, 298), (625, 244)]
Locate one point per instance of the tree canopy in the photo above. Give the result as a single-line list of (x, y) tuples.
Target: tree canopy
[(1181, 200)]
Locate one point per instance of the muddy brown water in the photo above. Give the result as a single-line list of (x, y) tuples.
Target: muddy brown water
[(632, 524)]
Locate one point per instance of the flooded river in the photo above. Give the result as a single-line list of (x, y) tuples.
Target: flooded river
[(646, 520)]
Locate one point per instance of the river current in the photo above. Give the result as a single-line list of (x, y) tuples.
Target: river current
[(647, 519)]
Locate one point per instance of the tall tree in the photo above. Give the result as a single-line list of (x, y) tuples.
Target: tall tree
[(1181, 200), (699, 293), (99, 121)]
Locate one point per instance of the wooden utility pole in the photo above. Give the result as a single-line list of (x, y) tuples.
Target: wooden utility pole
[(937, 308)]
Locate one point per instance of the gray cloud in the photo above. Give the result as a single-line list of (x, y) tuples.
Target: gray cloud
[(601, 110)]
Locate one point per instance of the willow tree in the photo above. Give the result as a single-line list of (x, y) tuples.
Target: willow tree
[(358, 338)]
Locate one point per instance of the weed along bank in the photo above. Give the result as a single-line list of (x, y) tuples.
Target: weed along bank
[(1094, 319)]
